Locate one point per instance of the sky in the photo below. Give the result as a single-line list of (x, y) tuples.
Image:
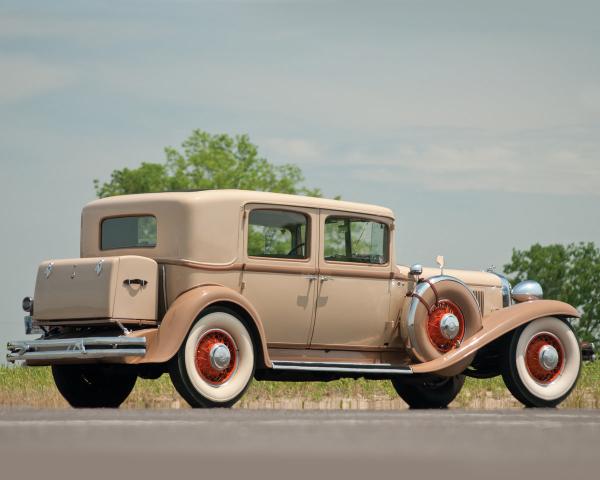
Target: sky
[(477, 122)]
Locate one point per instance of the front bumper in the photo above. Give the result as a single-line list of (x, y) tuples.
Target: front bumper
[(76, 348)]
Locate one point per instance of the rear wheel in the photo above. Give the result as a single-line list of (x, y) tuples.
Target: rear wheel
[(429, 392), (542, 364), (94, 386), (215, 364)]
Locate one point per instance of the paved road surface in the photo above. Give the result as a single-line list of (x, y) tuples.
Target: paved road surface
[(285, 445)]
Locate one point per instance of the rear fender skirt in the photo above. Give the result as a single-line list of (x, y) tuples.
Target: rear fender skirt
[(494, 326), (163, 343)]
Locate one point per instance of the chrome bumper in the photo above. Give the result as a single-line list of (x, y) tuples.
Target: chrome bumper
[(76, 348)]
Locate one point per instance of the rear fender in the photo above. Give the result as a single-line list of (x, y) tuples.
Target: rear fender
[(494, 326), (163, 343)]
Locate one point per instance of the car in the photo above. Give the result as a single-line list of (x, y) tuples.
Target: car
[(220, 287), (588, 351)]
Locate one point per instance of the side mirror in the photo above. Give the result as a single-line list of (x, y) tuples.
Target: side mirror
[(416, 270)]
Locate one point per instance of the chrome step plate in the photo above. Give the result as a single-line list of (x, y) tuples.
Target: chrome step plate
[(384, 368)]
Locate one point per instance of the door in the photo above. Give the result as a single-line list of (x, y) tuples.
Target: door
[(354, 283), (280, 271)]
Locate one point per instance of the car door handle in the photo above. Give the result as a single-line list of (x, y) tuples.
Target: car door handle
[(135, 281), (311, 277), (325, 278)]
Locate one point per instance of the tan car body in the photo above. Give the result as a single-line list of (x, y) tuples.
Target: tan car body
[(200, 260)]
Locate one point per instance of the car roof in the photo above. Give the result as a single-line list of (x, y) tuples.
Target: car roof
[(243, 197)]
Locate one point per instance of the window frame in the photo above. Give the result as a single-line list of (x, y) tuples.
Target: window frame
[(126, 215), (351, 217), (278, 208)]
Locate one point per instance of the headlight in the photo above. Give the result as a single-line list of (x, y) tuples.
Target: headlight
[(526, 291)]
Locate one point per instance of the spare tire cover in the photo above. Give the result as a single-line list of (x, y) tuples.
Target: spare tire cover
[(434, 294)]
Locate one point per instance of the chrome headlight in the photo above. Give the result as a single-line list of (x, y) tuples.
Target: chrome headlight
[(526, 291)]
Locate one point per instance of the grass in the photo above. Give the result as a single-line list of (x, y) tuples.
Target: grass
[(34, 387)]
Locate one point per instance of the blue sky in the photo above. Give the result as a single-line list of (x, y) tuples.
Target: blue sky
[(477, 122)]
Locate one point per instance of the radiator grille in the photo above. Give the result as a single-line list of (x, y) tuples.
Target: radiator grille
[(480, 299)]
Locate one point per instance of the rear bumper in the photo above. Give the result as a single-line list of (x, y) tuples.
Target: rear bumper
[(76, 349)]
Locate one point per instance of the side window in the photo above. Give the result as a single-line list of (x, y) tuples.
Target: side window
[(356, 240), (277, 234)]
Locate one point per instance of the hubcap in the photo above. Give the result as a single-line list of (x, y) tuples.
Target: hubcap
[(446, 326), (220, 357), (548, 357), (449, 326), (216, 356), (544, 357)]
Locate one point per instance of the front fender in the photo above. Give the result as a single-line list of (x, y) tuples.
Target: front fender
[(163, 343), (494, 326)]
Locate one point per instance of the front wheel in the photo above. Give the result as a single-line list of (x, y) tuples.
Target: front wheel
[(429, 392), (542, 364), (94, 386), (215, 364)]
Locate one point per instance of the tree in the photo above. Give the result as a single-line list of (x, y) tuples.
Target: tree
[(570, 273), (208, 161)]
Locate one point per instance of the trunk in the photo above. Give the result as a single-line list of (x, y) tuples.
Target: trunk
[(120, 288)]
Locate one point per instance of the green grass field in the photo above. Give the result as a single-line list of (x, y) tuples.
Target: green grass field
[(34, 387)]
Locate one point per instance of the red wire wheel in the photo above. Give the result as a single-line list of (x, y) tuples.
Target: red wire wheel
[(533, 357), (434, 331), (207, 365)]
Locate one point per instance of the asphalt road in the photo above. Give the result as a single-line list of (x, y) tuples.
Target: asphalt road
[(225, 444)]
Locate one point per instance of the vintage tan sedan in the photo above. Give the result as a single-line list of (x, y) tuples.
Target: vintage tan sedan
[(220, 287)]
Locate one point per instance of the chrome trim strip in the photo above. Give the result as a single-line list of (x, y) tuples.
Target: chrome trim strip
[(507, 300), (412, 311), (164, 287), (342, 367), (76, 348)]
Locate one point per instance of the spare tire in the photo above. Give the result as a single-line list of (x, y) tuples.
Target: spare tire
[(442, 313)]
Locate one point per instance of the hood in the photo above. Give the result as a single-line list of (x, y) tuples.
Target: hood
[(473, 278)]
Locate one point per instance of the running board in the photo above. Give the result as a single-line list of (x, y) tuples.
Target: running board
[(385, 368)]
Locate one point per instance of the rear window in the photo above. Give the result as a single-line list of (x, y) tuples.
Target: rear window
[(128, 232)]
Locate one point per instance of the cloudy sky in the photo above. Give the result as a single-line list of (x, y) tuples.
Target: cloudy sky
[(477, 122)]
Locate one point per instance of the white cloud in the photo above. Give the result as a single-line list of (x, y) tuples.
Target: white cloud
[(80, 29), (31, 26), (541, 162), (24, 77), (370, 106), (590, 98), (488, 168), (292, 148)]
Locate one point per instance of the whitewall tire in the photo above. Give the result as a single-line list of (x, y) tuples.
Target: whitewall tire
[(543, 362), (216, 362)]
